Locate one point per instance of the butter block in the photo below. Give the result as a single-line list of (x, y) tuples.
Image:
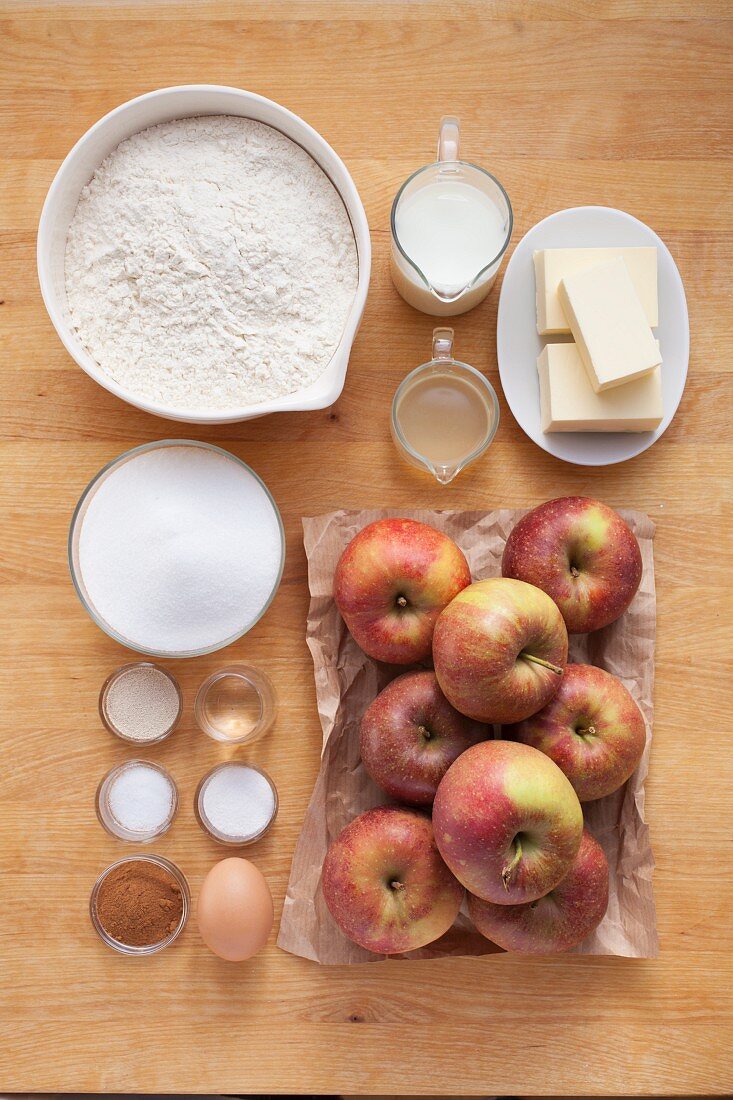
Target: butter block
[(608, 323), (568, 402), (552, 265)]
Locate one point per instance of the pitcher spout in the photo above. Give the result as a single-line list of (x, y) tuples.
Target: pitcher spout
[(445, 474)]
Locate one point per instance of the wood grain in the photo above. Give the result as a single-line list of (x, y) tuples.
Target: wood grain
[(618, 102)]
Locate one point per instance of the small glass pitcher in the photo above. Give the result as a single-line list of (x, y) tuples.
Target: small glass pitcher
[(445, 413), (451, 223)]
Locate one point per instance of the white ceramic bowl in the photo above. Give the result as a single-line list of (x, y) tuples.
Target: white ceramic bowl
[(164, 106)]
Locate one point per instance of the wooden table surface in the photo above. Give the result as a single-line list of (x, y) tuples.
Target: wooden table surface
[(621, 102)]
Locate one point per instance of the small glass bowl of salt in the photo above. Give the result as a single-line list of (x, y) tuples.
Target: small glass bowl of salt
[(141, 703), (137, 801), (236, 803)]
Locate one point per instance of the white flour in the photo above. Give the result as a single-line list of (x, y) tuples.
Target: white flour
[(210, 262)]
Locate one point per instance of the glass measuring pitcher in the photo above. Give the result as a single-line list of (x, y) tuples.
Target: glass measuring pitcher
[(444, 413), (451, 223)]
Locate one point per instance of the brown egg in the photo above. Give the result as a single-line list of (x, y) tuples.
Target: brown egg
[(234, 912)]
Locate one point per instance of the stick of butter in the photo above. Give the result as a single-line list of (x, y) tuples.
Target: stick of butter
[(568, 402), (608, 323), (551, 265)]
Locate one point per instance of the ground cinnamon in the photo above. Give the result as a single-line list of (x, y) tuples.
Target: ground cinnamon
[(139, 903)]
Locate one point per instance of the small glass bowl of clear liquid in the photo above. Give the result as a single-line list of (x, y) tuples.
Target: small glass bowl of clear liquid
[(445, 413), (236, 705)]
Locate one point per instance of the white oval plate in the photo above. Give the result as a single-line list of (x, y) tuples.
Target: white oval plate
[(518, 344)]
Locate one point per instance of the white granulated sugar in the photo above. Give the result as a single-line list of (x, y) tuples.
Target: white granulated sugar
[(210, 263), (140, 798), (238, 801), (179, 549)]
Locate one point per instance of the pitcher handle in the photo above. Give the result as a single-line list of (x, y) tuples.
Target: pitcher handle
[(449, 140), (442, 343)]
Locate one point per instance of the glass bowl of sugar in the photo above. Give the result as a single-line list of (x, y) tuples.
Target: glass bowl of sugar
[(176, 548), (236, 803), (137, 801)]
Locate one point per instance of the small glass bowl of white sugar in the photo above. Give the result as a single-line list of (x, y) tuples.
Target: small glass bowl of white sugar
[(137, 801), (236, 803)]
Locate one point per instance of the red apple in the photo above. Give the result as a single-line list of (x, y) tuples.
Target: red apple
[(391, 583), (592, 729), (507, 822), (499, 649), (385, 884), (582, 554), (559, 920), (411, 735)]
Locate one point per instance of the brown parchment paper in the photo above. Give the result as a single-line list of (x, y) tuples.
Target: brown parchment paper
[(346, 683)]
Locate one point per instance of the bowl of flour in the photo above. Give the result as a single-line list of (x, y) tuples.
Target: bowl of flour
[(204, 255), (176, 548)]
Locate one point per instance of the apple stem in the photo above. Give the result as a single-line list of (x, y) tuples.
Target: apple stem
[(589, 730), (574, 571), (508, 871), (397, 885), (539, 661), (401, 601), (424, 732)]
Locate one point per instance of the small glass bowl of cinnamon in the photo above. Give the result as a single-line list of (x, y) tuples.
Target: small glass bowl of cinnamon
[(140, 904)]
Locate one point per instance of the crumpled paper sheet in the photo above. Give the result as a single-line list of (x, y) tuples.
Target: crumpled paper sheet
[(346, 683)]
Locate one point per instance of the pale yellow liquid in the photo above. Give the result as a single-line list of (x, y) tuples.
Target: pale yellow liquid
[(444, 418)]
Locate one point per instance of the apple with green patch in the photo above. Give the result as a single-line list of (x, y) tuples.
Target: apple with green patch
[(561, 919), (592, 729), (499, 650), (385, 884), (582, 554), (507, 822), (391, 583), (410, 736)]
